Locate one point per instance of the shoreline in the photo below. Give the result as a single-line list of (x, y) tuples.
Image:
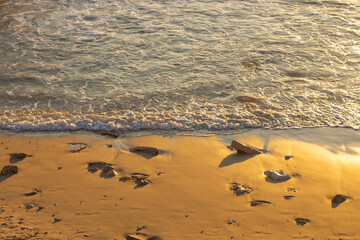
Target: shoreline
[(188, 195)]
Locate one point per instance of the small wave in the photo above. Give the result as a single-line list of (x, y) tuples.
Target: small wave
[(206, 117)]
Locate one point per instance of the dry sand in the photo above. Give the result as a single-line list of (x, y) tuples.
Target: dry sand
[(189, 196)]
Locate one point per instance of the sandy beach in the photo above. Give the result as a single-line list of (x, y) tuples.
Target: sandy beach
[(187, 191)]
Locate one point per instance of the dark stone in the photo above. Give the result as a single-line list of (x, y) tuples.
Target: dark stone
[(258, 202), (145, 150), (302, 221), (288, 197), (142, 181), (9, 169), (339, 198), (109, 171), (95, 166), (239, 189), (288, 157), (124, 179)]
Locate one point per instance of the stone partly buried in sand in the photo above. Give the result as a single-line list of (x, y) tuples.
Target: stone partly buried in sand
[(77, 147), (259, 202), (32, 193), (302, 221), (240, 189), (145, 150), (277, 175), (107, 170), (9, 169), (241, 148), (339, 198), (140, 179)]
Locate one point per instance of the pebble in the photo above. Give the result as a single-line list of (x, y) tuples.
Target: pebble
[(109, 171), (9, 169), (277, 175), (339, 198), (146, 150)]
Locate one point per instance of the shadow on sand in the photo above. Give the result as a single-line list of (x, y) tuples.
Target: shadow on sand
[(4, 177), (235, 158)]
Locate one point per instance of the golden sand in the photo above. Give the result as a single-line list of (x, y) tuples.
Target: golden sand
[(189, 196)]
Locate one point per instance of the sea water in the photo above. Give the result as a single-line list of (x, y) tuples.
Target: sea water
[(126, 65)]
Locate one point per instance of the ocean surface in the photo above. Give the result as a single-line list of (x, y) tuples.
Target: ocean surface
[(128, 65)]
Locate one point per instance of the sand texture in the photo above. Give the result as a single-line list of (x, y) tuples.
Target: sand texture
[(81, 186)]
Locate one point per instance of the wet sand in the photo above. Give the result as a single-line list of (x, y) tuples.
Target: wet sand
[(188, 192)]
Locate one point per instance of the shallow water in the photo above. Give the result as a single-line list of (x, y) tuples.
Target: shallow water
[(184, 65)]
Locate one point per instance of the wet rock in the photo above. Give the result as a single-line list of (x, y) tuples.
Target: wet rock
[(109, 171), (288, 197), (15, 157), (240, 189), (145, 150), (110, 133), (241, 148), (302, 221), (277, 175), (77, 147), (9, 169), (142, 181), (339, 198), (93, 169), (258, 202)]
